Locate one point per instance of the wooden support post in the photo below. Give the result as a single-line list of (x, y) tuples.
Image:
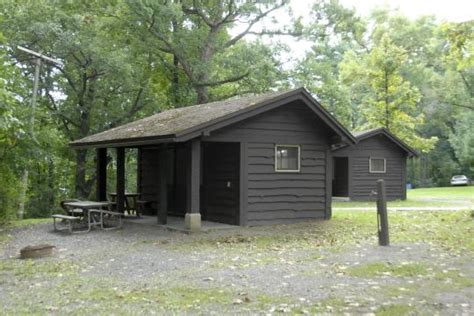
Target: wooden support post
[(195, 176), (329, 170), (193, 216), (382, 217), (101, 192), (139, 170), (243, 183), (162, 213), (120, 179)]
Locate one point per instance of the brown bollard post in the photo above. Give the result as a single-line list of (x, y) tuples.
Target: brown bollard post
[(382, 217)]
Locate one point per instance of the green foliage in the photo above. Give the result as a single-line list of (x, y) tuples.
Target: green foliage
[(428, 89), (11, 133), (335, 31), (194, 38), (9, 187), (388, 100), (125, 59), (462, 140), (460, 60)]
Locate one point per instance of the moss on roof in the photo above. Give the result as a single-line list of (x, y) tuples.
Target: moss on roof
[(172, 122)]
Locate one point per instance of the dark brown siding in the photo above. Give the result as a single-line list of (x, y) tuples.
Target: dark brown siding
[(221, 186), (149, 184), (362, 182), (274, 197)]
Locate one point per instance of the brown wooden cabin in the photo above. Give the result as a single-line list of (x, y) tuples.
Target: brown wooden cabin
[(378, 154), (249, 161)]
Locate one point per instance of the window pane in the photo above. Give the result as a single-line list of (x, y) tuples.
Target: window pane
[(287, 158), (377, 165)]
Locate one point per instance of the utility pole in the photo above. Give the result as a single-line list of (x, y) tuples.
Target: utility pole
[(25, 176)]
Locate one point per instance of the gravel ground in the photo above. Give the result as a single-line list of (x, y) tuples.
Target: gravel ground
[(256, 279)]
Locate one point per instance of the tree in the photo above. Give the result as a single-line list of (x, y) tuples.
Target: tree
[(334, 31), (389, 100), (11, 132), (460, 57), (104, 81), (459, 60), (196, 35), (462, 140)]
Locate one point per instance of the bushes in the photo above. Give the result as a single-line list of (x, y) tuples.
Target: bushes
[(9, 188)]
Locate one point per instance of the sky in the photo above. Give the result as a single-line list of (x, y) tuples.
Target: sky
[(444, 10)]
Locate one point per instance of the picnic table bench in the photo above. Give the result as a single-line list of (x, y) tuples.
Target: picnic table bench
[(66, 218), (90, 214)]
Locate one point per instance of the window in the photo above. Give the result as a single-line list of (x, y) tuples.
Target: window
[(287, 158), (377, 165)]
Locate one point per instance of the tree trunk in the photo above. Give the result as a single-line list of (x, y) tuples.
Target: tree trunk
[(51, 190), (175, 82), (22, 195), (202, 94), (175, 71)]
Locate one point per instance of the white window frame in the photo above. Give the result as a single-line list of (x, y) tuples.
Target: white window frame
[(276, 158), (384, 165)]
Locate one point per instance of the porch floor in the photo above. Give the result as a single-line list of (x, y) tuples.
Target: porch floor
[(175, 223)]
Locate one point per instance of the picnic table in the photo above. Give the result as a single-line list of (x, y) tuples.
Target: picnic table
[(131, 201), (93, 212)]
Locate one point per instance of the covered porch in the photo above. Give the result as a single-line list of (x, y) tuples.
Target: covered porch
[(189, 186)]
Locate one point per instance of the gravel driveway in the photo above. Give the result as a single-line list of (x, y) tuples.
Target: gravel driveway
[(231, 271)]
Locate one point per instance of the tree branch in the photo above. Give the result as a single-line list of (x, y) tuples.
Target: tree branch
[(68, 79), (228, 18), (64, 119), (466, 83), (171, 50), (195, 11), (235, 39), (271, 33), (136, 106), (219, 82), (470, 107)]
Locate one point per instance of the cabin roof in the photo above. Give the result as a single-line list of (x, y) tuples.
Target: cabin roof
[(361, 135), (184, 123)]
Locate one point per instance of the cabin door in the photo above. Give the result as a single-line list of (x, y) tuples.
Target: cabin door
[(221, 182), (340, 182)]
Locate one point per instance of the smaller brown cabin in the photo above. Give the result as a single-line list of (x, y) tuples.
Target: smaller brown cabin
[(378, 154)]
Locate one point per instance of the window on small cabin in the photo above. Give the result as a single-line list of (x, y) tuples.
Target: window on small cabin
[(377, 165), (287, 158)]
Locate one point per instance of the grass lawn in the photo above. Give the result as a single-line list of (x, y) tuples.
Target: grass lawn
[(425, 197)]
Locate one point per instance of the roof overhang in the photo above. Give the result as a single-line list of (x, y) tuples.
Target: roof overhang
[(383, 131), (128, 142)]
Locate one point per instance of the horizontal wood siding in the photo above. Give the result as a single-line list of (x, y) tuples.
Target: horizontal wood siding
[(363, 182), (274, 197)]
